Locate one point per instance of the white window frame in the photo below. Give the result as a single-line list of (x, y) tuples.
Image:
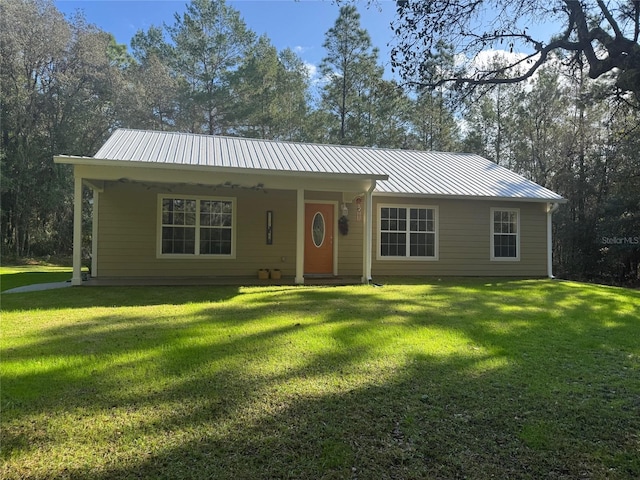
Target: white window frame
[(493, 233), (196, 254), (408, 257)]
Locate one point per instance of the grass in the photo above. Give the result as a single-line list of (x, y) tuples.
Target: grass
[(28, 274), (464, 378)]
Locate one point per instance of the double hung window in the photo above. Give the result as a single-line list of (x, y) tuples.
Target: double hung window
[(196, 226), (408, 232), (505, 237)]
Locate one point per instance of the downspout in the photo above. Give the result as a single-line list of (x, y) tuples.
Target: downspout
[(76, 279), (366, 278), (94, 232), (551, 207)]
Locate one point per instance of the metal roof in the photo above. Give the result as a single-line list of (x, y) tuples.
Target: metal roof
[(410, 172), (233, 152)]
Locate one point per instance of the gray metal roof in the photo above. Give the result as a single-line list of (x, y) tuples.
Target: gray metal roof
[(232, 152), (410, 172)]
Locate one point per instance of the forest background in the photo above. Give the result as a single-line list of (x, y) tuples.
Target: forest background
[(66, 85)]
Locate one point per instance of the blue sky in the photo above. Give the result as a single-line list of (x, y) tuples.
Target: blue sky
[(299, 25)]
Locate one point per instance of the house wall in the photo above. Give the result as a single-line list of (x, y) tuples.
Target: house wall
[(350, 246), (127, 236), (128, 230), (465, 240)]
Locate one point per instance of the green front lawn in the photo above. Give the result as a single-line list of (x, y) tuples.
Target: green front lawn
[(20, 275), (464, 378)]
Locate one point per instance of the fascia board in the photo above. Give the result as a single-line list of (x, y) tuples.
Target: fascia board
[(95, 162), (470, 197), (209, 177)]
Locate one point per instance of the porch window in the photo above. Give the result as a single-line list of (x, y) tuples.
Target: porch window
[(505, 237), (196, 226), (408, 232)]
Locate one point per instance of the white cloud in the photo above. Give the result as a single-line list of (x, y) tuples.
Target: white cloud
[(488, 59), (312, 70)]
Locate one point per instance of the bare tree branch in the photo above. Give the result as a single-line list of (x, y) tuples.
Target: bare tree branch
[(602, 34)]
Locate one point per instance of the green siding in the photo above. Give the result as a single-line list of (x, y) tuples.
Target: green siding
[(127, 236), (465, 238), (128, 233)]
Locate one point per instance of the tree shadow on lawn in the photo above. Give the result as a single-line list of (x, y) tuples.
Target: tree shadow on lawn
[(524, 380), (409, 427)]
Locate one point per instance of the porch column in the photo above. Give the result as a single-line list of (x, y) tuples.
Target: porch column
[(300, 237), (76, 279), (551, 207), (368, 233)]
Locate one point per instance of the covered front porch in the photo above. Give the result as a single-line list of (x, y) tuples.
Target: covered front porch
[(269, 224)]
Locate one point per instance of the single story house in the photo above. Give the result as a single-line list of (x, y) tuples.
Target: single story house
[(171, 204)]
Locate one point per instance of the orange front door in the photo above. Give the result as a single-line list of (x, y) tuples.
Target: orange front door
[(318, 238)]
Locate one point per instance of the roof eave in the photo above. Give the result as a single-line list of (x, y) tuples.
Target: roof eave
[(470, 197), (97, 162)]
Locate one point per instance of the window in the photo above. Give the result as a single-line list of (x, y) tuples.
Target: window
[(215, 227), (178, 225), (505, 237), (408, 232), (196, 226), (318, 229)]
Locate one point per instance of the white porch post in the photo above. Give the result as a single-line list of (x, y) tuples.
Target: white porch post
[(300, 237), (551, 207), (76, 279), (368, 234)]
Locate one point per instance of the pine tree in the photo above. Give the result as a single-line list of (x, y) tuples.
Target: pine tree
[(351, 72), (210, 39)]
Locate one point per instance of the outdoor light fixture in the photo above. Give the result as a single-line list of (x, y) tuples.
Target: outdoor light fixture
[(345, 210)]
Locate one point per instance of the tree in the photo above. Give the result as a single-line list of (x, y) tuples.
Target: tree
[(537, 137), (145, 45), (210, 39), (351, 71), (493, 126), (619, 213), (60, 85), (270, 93), (596, 172), (154, 103), (603, 34), (294, 99), (389, 122), (433, 122), (153, 96)]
